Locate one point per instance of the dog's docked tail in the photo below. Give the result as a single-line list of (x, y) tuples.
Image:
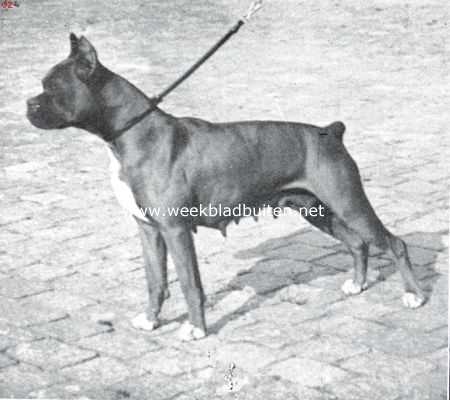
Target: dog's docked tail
[(336, 128)]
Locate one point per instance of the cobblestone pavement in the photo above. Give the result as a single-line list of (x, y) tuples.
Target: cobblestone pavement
[(71, 275)]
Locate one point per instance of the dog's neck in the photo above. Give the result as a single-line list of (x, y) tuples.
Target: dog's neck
[(118, 102)]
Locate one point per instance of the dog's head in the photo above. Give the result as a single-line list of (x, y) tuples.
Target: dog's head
[(68, 97)]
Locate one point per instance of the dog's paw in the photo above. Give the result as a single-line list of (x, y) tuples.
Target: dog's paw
[(350, 287), (189, 332), (412, 300), (141, 322)]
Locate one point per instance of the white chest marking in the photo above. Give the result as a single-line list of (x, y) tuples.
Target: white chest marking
[(121, 189)]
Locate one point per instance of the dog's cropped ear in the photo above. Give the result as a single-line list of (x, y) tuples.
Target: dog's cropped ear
[(85, 58), (73, 45)]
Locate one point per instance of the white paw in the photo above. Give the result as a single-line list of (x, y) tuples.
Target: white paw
[(350, 287), (189, 332), (412, 300), (141, 322)]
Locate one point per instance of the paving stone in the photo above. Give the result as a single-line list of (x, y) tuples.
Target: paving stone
[(42, 272), (358, 388), (270, 334), (151, 386), (58, 300), (18, 380), (277, 389), (172, 362), (24, 169), (25, 313), (106, 371), (63, 255), (119, 317), (433, 222), (117, 251), (199, 349), (307, 372), (306, 295), (316, 238), (332, 281), (249, 356), (410, 186), (386, 369), (25, 224), (8, 238), (128, 295), (105, 268), (435, 242), (261, 283), (45, 198), (89, 286), (421, 318), (231, 380), (70, 390), (431, 385), (11, 335), (283, 313), (344, 261), (439, 358), (50, 354), (302, 252), (361, 331), (61, 232), (6, 361), (231, 302), (6, 341), (362, 306), (16, 288), (420, 256), (121, 345), (409, 343), (326, 348), (71, 329), (286, 268)]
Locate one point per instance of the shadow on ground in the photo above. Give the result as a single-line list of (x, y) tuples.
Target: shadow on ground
[(281, 264)]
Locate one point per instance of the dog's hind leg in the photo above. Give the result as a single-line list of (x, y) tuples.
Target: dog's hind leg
[(357, 247), (335, 227), (155, 259), (338, 184)]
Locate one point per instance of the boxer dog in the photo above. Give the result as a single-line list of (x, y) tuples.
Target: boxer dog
[(162, 161)]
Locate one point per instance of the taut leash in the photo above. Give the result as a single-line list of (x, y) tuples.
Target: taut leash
[(254, 7)]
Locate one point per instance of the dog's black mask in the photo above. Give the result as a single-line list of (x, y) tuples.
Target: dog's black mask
[(67, 98)]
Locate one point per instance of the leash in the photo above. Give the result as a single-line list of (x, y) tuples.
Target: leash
[(154, 101), (254, 7)]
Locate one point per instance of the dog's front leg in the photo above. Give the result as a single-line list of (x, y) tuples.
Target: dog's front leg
[(155, 258), (181, 247)]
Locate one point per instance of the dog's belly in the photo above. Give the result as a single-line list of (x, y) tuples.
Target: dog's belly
[(223, 210)]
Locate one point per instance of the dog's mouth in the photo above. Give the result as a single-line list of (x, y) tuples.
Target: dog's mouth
[(42, 119), (37, 121)]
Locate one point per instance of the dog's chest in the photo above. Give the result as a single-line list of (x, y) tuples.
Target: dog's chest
[(121, 189)]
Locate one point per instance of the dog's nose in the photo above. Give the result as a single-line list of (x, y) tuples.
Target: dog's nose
[(33, 104)]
